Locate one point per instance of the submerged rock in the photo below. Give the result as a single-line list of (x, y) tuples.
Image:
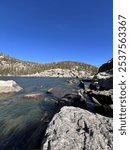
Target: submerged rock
[(78, 129), (32, 95), (9, 86)]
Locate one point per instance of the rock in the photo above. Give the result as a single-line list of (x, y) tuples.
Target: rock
[(63, 73), (103, 97), (9, 86), (49, 91), (104, 79), (102, 84), (106, 66), (101, 90), (98, 101), (32, 95), (71, 100), (82, 85), (102, 105), (72, 81), (78, 129)]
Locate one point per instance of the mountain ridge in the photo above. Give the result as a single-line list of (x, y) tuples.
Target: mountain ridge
[(14, 66)]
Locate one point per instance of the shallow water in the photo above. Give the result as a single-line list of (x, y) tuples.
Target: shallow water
[(19, 116)]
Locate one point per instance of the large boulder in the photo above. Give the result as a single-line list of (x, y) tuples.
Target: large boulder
[(78, 129), (9, 86), (101, 89), (103, 80), (106, 66)]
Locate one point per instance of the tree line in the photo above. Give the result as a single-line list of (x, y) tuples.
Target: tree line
[(9, 65)]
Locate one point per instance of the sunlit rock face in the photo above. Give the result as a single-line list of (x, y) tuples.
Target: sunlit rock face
[(103, 80), (9, 86), (78, 129)]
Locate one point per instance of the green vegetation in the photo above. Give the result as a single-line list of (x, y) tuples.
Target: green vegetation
[(12, 66)]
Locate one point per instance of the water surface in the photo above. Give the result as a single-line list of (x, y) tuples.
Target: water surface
[(19, 116)]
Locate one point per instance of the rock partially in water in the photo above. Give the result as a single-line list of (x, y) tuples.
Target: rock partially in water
[(72, 81), (78, 129), (58, 92), (71, 100), (50, 91), (82, 85), (9, 86), (32, 95)]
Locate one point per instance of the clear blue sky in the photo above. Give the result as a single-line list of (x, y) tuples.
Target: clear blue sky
[(55, 30)]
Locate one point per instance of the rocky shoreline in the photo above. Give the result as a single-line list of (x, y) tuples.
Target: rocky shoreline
[(60, 73), (63, 73), (84, 121)]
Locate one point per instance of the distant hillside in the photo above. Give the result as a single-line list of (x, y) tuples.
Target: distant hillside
[(12, 66)]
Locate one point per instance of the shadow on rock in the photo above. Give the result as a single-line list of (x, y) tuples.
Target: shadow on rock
[(71, 100)]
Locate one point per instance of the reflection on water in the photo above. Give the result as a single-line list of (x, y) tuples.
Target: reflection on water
[(20, 116)]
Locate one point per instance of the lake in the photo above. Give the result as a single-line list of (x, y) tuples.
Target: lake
[(20, 116)]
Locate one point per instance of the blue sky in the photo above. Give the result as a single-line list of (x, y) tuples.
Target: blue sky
[(55, 30)]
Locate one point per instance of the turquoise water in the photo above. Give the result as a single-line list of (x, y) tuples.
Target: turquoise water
[(19, 116)]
